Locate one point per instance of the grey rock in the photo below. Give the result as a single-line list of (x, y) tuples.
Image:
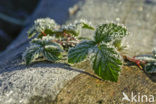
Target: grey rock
[(21, 83)]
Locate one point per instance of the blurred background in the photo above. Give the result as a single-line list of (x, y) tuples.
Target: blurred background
[(13, 14)]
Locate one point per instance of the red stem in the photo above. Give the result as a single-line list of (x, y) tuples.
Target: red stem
[(44, 33), (136, 61)]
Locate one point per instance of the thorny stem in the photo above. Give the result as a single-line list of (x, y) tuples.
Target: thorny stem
[(65, 34), (44, 33), (136, 61)]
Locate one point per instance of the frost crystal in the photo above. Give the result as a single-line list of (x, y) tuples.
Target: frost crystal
[(77, 26), (82, 21), (50, 46), (146, 58), (47, 38), (68, 27), (44, 23), (150, 68)]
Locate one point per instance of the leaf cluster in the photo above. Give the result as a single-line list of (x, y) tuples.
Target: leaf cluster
[(44, 47), (102, 51), (52, 39), (150, 66)]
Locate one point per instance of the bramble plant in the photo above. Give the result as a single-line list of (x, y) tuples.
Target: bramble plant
[(103, 53), (52, 40), (150, 62)]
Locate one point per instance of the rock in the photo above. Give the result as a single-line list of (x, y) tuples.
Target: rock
[(19, 83), (84, 89)]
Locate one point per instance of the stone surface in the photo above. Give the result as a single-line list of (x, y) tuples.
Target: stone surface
[(19, 83), (84, 89)]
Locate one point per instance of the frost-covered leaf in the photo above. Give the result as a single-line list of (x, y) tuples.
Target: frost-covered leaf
[(49, 32), (84, 24), (146, 58), (46, 40), (75, 29), (47, 26), (70, 29), (72, 32), (150, 68), (109, 32), (87, 26), (154, 52), (106, 63), (117, 44), (51, 50), (31, 32), (31, 54), (80, 51), (83, 38), (43, 41), (44, 47), (42, 24), (52, 53)]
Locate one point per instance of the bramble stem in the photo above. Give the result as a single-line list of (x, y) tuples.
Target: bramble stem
[(44, 33), (136, 61)]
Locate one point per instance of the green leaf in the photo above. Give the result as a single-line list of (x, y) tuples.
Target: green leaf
[(118, 46), (106, 63), (154, 52), (46, 40), (44, 46), (74, 29), (31, 33), (31, 54), (87, 26), (72, 32), (146, 58), (109, 32), (52, 53), (150, 68), (84, 24), (80, 51), (46, 25), (83, 38), (49, 32), (37, 41), (56, 33)]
